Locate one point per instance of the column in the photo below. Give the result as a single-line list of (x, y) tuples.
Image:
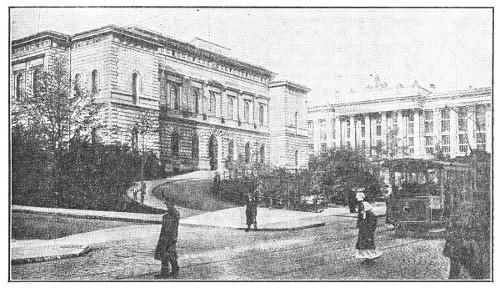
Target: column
[(417, 132), (401, 130), (453, 132), (338, 132), (384, 131), (368, 134), (329, 132), (352, 121)]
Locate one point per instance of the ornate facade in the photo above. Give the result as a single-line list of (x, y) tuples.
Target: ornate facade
[(406, 121), (205, 107)]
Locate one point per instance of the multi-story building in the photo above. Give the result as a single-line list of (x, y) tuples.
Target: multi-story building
[(205, 106), (405, 121)]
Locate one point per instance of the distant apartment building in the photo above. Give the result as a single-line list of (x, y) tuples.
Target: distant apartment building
[(404, 121), (208, 107)]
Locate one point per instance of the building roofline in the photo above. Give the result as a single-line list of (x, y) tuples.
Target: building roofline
[(162, 40), (289, 84), (436, 96), (41, 35), (148, 36)]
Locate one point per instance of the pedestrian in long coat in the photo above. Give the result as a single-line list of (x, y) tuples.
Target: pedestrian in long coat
[(367, 223), (166, 250), (252, 203)]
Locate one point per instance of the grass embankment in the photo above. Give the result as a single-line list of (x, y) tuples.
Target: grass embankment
[(27, 226), (193, 194)]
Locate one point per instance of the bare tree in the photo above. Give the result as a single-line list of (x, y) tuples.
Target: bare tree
[(53, 115)]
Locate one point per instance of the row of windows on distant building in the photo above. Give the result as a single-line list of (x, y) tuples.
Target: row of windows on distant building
[(191, 102), (175, 142), (430, 138), (193, 96)]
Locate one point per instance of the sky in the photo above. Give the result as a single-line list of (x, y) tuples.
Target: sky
[(327, 50)]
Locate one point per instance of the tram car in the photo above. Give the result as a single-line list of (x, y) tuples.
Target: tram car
[(423, 192)]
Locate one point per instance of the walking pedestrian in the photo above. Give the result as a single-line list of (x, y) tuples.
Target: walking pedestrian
[(166, 250), (251, 211), (367, 223), (143, 191)]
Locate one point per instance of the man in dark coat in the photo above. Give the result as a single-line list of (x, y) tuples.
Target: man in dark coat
[(166, 250), (251, 211)]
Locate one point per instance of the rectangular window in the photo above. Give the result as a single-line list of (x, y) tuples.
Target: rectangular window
[(462, 119), (481, 127), (445, 120), (462, 143), (395, 128), (429, 144), (445, 143), (322, 130), (428, 122), (411, 123), (310, 130), (411, 141)]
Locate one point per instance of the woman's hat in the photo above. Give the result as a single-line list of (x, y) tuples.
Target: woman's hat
[(360, 196)]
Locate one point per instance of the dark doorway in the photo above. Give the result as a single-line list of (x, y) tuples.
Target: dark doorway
[(212, 152)]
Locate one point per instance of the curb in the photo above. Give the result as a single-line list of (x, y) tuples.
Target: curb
[(19, 261), (97, 217), (314, 225)]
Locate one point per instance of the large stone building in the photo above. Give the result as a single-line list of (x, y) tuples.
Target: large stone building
[(404, 121), (204, 106)]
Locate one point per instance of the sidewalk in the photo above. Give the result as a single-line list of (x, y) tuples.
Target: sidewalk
[(27, 251)]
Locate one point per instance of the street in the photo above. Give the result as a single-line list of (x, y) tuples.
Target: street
[(208, 253)]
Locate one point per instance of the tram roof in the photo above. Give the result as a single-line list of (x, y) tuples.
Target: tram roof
[(413, 164)]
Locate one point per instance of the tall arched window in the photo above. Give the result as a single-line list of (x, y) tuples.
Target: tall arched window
[(78, 84), (262, 153), (213, 103), (196, 96), (230, 151), (194, 147), (95, 81), (247, 152), (296, 120), (35, 80), (174, 144), (261, 115), (135, 82), (19, 86), (174, 94), (246, 111)]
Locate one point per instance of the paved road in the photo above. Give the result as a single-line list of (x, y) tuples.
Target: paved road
[(324, 253)]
